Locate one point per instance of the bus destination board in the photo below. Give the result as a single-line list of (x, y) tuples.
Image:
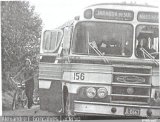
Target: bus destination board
[(112, 14), (148, 17)]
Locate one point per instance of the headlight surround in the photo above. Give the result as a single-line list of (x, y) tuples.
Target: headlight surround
[(102, 92), (91, 92)]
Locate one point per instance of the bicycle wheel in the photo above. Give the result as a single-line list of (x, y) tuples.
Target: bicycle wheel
[(24, 100), (36, 97), (15, 102)]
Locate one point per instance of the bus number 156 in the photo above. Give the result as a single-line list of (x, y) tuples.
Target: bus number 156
[(79, 76)]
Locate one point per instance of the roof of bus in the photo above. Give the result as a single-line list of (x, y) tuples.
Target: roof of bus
[(125, 6)]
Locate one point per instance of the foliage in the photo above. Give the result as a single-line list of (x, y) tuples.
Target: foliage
[(20, 36)]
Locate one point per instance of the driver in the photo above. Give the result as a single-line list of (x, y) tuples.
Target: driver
[(143, 43), (102, 46)]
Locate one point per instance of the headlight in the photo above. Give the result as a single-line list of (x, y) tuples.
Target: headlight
[(102, 92), (91, 92)]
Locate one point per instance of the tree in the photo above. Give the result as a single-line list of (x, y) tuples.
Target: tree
[(20, 37)]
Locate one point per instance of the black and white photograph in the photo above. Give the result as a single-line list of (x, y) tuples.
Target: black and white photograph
[(80, 60)]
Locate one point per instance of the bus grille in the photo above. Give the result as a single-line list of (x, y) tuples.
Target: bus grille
[(131, 84)]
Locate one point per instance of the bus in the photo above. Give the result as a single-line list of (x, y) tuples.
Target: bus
[(104, 62)]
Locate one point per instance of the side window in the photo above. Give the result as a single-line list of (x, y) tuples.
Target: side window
[(51, 40), (147, 41)]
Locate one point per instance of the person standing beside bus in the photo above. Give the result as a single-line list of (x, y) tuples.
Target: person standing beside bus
[(29, 82), (28, 78)]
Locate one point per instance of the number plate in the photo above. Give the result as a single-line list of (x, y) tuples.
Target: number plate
[(132, 111), (79, 76)]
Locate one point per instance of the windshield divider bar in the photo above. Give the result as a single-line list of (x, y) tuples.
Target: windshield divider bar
[(98, 52)]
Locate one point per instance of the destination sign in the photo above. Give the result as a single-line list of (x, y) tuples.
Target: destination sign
[(148, 17), (112, 14)]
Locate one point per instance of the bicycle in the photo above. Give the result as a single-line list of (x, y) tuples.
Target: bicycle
[(19, 96)]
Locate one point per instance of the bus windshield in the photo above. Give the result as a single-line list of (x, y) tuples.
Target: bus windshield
[(147, 41), (111, 39)]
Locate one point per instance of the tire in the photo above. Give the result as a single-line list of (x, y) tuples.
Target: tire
[(15, 100), (24, 100), (67, 115), (19, 98), (67, 112), (66, 106), (36, 99), (65, 100)]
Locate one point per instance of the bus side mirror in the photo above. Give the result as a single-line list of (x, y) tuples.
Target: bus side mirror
[(66, 40)]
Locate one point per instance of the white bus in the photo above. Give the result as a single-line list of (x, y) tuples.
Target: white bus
[(104, 62)]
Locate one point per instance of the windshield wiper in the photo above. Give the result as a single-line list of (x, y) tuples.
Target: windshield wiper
[(93, 45), (149, 55)]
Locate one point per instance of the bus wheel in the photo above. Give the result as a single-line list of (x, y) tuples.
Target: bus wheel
[(65, 100), (67, 113), (24, 100)]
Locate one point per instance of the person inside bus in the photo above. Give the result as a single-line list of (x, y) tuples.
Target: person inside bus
[(151, 50), (138, 49), (109, 46), (102, 45), (143, 43)]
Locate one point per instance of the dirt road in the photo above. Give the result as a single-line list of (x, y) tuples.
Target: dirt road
[(34, 111)]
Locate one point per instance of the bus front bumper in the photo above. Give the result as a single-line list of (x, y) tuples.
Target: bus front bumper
[(113, 109)]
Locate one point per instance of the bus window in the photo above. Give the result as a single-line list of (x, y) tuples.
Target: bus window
[(147, 38), (112, 39), (51, 40)]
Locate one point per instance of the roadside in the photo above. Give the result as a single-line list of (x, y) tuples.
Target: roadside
[(34, 111)]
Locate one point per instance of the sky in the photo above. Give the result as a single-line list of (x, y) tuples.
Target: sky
[(55, 13)]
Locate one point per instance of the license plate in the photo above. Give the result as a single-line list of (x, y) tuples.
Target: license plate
[(132, 111)]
